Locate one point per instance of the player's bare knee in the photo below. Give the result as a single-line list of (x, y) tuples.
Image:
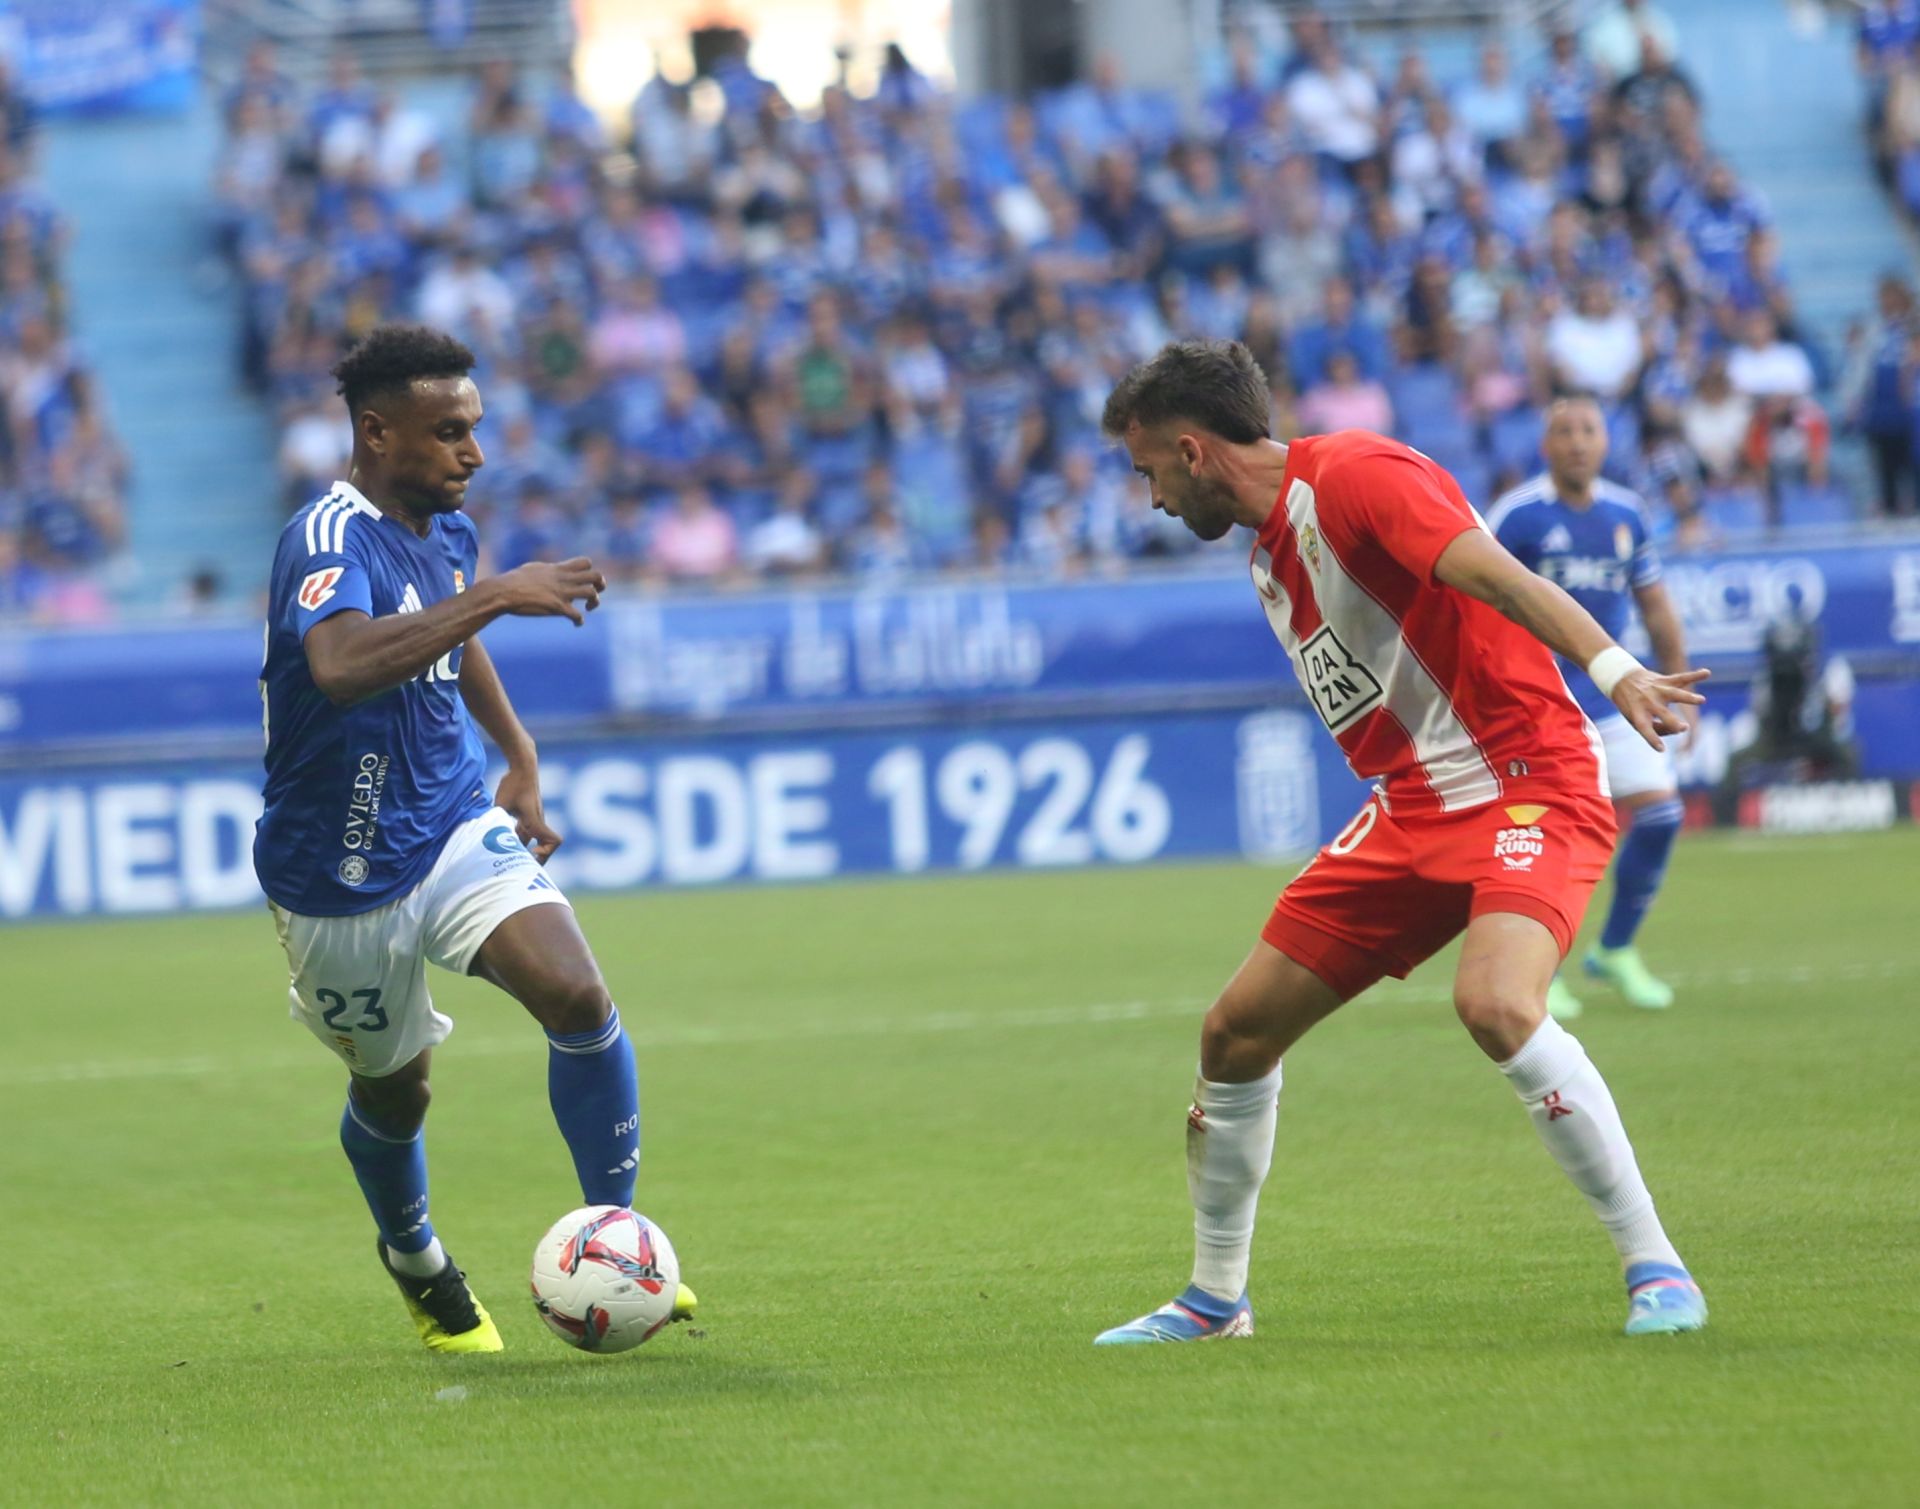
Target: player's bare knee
[(1500, 1016), (398, 1102), (1234, 1046), (574, 1003)]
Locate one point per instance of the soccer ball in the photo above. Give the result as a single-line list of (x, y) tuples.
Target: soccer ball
[(604, 1278)]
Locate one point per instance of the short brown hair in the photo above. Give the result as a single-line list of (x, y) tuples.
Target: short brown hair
[(1216, 384)]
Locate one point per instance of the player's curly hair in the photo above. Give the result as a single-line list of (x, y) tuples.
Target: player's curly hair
[(1216, 384), (389, 357)]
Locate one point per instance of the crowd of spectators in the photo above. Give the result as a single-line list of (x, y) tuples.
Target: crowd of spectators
[(738, 341), (62, 473), (1880, 389)]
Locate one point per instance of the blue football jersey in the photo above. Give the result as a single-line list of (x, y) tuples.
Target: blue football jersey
[(1599, 553), (359, 800)]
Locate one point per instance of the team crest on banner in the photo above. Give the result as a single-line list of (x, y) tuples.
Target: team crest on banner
[(1277, 785)]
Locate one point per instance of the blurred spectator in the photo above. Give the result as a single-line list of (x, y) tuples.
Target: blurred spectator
[(1566, 89), (696, 541), (1596, 347), (835, 337), (1491, 105), (1887, 32), (1299, 255), (1432, 160), (201, 594), (1716, 421), (1206, 216), (787, 542), (636, 332), (881, 550), (1336, 105), (1879, 393), (462, 293), (1618, 38), (1344, 400), (620, 544), (537, 530), (1764, 365), (1787, 443), (316, 441)]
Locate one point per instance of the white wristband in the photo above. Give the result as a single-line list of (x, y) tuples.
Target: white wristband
[(1609, 666)]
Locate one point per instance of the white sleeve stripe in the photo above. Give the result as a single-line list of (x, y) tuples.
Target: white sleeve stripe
[(318, 520), (348, 508)]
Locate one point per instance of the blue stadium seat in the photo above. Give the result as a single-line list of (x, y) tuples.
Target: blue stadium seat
[(1514, 440), (1425, 397), (1735, 510), (1816, 505)]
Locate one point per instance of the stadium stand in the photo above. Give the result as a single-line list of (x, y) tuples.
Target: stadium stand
[(740, 341), (63, 472)]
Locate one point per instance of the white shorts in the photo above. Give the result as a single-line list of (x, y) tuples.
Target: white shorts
[(360, 982), (1634, 767)]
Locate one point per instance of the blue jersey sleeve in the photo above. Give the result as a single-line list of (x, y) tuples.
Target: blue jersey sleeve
[(1644, 569), (1513, 529), (332, 579)]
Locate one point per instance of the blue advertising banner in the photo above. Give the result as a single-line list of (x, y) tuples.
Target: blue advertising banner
[(103, 54), (744, 808), (842, 658), (1263, 783)]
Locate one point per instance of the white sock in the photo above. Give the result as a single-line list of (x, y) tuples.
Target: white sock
[(1229, 1149), (428, 1261), (1575, 1116)]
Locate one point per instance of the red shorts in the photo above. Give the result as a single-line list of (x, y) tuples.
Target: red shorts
[(1384, 894)]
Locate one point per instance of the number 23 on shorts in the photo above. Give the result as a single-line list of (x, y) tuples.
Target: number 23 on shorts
[(369, 1017)]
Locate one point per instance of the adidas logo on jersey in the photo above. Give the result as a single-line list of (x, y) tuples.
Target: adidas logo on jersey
[(410, 600), (1557, 539)]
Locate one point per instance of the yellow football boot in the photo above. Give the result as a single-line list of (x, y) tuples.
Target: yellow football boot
[(445, 1312)]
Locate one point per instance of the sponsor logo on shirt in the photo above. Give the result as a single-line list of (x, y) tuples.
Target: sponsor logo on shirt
[(1341, 687), (1518, 848), (363, 809), (319, 585)]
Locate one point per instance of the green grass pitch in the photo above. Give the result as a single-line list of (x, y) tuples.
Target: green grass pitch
[(917, 1143)]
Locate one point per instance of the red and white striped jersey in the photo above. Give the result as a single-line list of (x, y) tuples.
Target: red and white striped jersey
[(1437, 695)]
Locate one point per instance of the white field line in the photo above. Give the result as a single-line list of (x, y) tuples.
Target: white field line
[(897, 1024)]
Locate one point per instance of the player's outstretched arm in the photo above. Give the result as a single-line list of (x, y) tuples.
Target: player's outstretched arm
[(519, 791), (1479, 565), (353, 657)]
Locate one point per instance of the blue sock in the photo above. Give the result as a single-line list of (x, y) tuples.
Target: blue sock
[(596, 1100), (392, 1171), (1200, 1302), (1639, 869)]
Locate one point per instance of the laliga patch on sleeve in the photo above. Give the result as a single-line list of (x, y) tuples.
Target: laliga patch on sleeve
[(318, 587)]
